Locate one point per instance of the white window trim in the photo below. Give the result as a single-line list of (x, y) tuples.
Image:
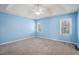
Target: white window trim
[(69, 20), (37, 27)]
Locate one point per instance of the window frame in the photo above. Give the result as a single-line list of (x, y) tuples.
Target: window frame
[(70, 29)]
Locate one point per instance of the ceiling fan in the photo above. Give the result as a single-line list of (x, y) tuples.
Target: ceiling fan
[(38, 10)]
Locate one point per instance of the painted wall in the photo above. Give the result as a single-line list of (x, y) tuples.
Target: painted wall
[(78, 28), (15, 27), (52, 28)]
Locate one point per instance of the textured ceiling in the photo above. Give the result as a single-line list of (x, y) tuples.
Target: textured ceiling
[(3, 7), (26, 10)]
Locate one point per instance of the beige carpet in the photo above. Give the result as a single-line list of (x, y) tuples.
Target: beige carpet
[(37, 46)]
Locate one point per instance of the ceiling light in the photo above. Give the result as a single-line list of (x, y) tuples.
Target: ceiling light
[(38, 10)]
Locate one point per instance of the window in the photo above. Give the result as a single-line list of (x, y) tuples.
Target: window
[(39, 27), (66, 26)]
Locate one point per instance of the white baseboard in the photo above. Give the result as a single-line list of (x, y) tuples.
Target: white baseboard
[(59, 40), (16, 40), (36, 37)]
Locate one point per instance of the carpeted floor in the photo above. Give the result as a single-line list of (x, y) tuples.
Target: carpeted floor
[(38, 46)]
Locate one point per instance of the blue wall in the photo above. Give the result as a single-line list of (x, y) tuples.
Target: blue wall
[(15, 27), (78, 28), (52, 28)]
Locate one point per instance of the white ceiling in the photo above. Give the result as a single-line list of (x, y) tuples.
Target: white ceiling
[(3, 7), (26, 10)]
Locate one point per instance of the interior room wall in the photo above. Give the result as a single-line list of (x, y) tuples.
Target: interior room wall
[(78, 28), (51, 27), (15, 27)]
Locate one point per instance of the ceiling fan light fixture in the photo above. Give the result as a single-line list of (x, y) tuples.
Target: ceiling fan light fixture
[(38, 10)]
